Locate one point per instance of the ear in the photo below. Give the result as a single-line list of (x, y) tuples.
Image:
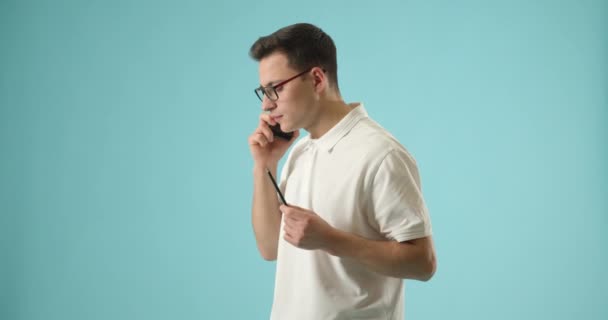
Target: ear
[(319, 79)]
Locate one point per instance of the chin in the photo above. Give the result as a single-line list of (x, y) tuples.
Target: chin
[(286, 128)]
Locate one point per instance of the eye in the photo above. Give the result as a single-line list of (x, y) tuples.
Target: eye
[(279, 89)]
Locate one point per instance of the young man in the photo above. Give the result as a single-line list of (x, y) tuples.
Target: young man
[(356, 223)]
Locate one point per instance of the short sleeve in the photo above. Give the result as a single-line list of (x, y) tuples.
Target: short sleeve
[(397, 208)]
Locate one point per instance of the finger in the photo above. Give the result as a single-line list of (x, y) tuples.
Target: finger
[(288, 238), (294, 219), (260, 139), (292, 240), (290, 220), (289, 214), (264, 129), (288, 229), (254, 138), (266, 118), (294, 212)]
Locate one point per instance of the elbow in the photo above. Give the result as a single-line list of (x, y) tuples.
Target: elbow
[(428, 269), (267, 254)]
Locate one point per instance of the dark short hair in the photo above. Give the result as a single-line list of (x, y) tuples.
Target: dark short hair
[(305, 46)]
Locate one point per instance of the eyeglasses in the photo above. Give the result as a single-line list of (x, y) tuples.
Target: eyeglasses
[(271, 91)]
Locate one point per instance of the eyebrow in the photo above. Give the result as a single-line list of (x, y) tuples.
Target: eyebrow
[(271, 83)]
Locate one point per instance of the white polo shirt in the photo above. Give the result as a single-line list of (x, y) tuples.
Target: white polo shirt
[(359, 179)]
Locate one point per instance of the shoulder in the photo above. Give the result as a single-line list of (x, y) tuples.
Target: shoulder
[(375, 143)]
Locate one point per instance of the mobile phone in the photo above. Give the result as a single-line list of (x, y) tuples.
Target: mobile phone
[(276, 130)]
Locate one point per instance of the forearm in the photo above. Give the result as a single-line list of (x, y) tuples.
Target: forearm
[(390, 258), (266, 217)]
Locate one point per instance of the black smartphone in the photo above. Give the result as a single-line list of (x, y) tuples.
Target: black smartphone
[(276, 130)]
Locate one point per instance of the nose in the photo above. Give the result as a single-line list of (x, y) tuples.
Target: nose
[(267, 104)]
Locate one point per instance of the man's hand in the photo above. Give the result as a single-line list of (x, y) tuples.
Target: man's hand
[(265, 149), (413, 259), (305, 229)]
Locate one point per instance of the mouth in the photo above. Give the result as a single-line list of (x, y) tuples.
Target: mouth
[(276, 118)]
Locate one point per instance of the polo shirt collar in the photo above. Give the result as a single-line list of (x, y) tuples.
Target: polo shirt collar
[(341, 129)]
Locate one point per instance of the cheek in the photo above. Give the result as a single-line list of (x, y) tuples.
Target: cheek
[(290, 96), (296, 103)]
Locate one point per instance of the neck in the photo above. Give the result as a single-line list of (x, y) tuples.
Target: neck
[(330, 112)]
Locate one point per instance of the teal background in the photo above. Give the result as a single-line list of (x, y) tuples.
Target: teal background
[(125, 176)]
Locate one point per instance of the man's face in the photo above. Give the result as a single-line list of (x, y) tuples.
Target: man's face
[(296, 98)]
